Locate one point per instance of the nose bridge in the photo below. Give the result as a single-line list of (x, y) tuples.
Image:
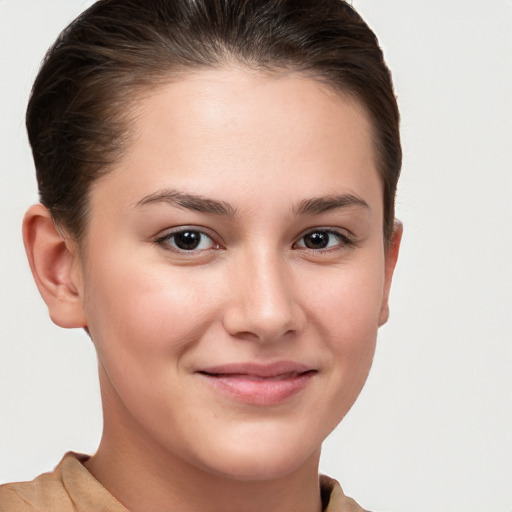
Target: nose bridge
[(264, 304)]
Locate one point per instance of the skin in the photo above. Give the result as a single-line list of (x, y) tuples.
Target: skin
[(263, 148)]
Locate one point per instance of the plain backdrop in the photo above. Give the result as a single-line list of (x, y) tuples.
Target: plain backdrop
[(432, 430)]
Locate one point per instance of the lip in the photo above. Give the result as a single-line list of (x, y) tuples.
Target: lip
[(259, 384)]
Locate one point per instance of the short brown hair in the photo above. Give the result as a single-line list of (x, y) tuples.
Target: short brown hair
[(78, 113)]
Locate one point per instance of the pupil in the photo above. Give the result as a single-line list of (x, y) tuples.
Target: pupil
[(187, 240), (317, 240)]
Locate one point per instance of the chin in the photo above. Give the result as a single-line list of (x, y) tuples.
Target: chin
[(258, 461), (257, 470)]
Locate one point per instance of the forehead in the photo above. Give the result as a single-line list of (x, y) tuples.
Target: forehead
[(216, 128)]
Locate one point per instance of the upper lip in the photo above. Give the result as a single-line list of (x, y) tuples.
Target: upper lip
[(276, 369)]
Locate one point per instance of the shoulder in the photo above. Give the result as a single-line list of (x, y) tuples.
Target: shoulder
[(68, 488), (334, 499), (44, 493)]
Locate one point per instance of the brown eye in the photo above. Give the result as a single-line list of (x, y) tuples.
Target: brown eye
[(187, 240), (317, 240), (323, 239)]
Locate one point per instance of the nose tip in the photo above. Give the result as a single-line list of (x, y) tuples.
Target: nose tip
[(264, 306), (267, 323)]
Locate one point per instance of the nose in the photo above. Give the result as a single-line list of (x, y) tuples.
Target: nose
[(263, 305)]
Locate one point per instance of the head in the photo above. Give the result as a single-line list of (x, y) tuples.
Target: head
[(217, 182), (79, 114)]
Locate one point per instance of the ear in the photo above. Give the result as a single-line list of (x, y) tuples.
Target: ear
[(390, 259), (56, 267)]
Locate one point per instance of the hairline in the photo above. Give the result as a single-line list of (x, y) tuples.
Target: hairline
[(139, 89)]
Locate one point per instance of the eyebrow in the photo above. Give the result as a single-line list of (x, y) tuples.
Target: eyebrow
[(189, 201), (326, 204), (313, 206)]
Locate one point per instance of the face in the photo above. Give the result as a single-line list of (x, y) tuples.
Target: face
[(234, 273)]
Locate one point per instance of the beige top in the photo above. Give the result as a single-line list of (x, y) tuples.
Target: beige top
[(71, 488)]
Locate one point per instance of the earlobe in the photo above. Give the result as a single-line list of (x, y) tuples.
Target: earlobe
[(55, 267), (391, 258)]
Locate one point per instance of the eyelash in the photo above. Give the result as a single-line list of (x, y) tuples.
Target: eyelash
[(344, 241), (165, 241)]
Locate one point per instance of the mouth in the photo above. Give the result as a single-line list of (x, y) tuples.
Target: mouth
[(256, 384)]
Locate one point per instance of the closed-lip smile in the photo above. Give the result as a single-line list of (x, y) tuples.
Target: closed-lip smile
[(259, 384)]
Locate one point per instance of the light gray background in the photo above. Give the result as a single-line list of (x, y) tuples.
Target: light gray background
[(432, 431)]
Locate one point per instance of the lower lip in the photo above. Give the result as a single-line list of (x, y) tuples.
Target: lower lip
[(259, 391)]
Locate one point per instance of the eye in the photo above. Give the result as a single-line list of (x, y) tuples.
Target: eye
[(321, 239), (187, 240)]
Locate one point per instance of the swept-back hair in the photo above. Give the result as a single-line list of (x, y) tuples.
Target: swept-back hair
[(78, 117)]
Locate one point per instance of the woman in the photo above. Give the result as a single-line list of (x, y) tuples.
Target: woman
[(217, 186)]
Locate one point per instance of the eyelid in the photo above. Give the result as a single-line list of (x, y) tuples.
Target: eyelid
[(163, 236), (347, 239)]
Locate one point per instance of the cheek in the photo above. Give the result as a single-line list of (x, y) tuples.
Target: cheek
[(350, 298), (142, 322), (348, 315), (138, 313)]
